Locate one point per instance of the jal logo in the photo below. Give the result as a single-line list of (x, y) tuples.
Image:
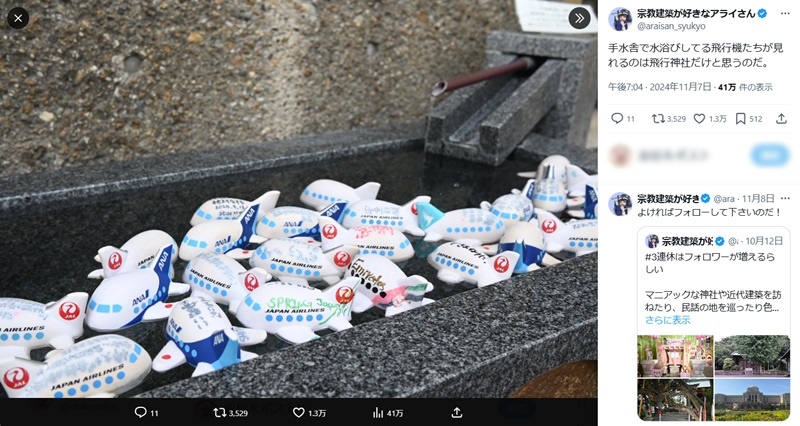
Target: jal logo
[(414, 208), (341, 259), (329, 232), (16, 378), (69, 311), (250, 282), (501, 264), (115, 261), (344, 295), (549, 226)]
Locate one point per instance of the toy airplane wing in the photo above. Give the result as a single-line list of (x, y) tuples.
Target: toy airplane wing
[(14, 351), (394, 310), (527, 175), (168, 358), (361, 303), (250, 336), (448, 276), (203, 368), (554, 247), (469, 241), (61, 342), (575, 202), (490, 249), (247, 356), (97, 274), (339, 324), (578, 214), (432, 237), (294, 280), (257, 239), (240, 254), (296, 334), (158, 312), (549, 260), (177, 289)]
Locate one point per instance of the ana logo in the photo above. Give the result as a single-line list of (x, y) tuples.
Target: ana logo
[(69, 311), (341, 259), (344, 295), (549, 226), (414, 208), (16, 378), (329, 232), (501, 264), (115, 261), (250, 282)]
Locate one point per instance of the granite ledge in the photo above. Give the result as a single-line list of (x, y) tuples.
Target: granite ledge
[(482, 343)]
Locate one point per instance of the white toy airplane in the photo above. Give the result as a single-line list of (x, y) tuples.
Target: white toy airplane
[(470, 226), (514, 207), (375, 239), (136, 253), (127, 299), (101, 366), (577, 236), (322, 192), (386, 286), (559, 162), (26, 325), (458, 262), (296, 261), (377, 212), (232, 208), (294, 312), (222, 279), (296, 222), (200, 333), (226, 237)]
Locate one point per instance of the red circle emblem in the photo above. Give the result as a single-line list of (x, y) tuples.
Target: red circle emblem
[(16, 378), (501, 264), (329, 232), (549, 226), (250, 282), (115, 261), (341, 259), (344, 295), (69, 311), (414, 208)]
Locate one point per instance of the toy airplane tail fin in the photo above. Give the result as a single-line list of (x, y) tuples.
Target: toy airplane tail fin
[(252, 279), (411, 206), (428, 215), (575, 174), (249, 218), (114, 261), (267, 201), (368, 191), (71, 311), (18, 373), (590, 204), (334, 211), (342, 292), (498, 268), (161, 265), (548, 222), (341, 256), (527, 190), (332, 234)]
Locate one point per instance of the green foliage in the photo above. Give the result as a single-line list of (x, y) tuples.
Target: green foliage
[(728, 364), (751, 416)]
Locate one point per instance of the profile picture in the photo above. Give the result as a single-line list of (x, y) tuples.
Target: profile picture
[(651, 241), (620, 19), (620, 204), (620, 155)]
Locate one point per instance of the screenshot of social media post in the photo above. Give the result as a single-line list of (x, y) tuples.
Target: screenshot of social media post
[(698, 198)]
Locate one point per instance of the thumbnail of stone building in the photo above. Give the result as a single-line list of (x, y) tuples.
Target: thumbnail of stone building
[(752, 394)]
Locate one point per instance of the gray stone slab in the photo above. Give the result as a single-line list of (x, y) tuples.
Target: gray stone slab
[(536, 148), (483, 343), (564, 46)]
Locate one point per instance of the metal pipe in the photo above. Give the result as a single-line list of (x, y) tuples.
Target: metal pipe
[(521, 64)]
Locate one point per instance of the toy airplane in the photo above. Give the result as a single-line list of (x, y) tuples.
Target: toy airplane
[(232, 208), (377, 212), (577, 236), (200, 333), (386, 286), (514, 207), (136, 253), (26, 325), (458, 262), (296, 222), (127, 299), (376, 239), (322, 192), (101, 366), (222, 279), (549, 192), (294, 312), (577, 180), (558, 162), (226, 237), (296, 261), (470, 226), (525, 239)]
